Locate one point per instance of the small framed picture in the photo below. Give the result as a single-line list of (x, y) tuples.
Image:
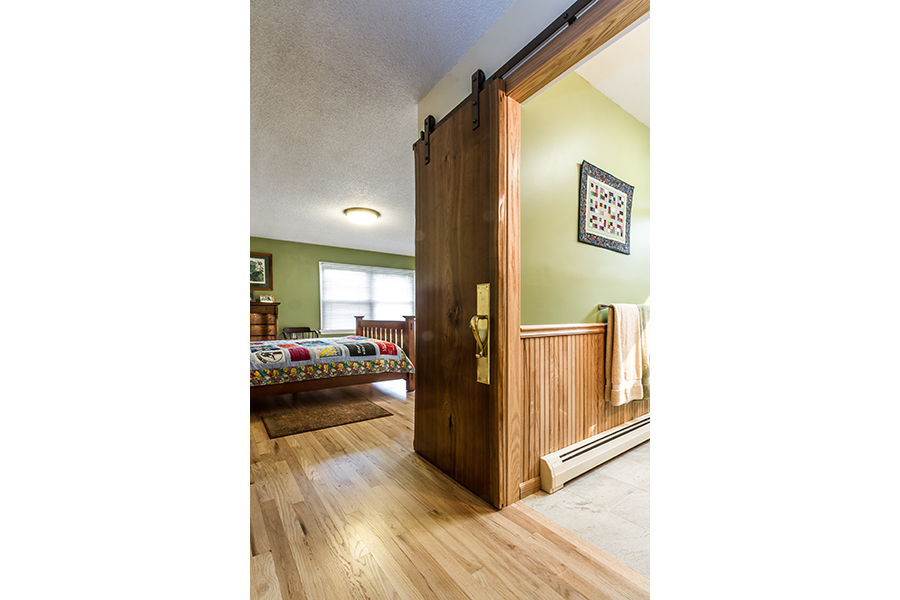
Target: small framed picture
[(266, 298), (260, 271)]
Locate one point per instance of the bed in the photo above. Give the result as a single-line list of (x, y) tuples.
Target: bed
[(379, 351)]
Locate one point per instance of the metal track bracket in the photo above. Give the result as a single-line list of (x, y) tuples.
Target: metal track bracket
[(477, 86), (429, 127)]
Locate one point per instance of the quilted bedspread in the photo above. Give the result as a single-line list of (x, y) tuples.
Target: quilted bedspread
[(284, 361)]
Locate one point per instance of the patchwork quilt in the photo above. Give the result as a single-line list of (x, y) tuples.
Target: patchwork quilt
[(284, 361)]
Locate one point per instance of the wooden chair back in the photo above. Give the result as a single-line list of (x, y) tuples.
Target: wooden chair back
[(293, 333)]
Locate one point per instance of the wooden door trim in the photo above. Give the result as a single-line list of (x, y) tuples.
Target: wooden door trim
[(598, 25), (507, 388)]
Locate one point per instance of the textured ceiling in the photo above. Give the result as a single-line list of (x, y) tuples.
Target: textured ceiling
[(334, 86), (334, 90)]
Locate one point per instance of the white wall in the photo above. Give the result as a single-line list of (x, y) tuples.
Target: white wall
[(513, 31)]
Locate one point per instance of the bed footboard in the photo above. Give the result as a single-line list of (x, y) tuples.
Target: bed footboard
[(402, 333)]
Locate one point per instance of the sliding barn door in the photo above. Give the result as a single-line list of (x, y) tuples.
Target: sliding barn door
[(466, 237), (467, 230)]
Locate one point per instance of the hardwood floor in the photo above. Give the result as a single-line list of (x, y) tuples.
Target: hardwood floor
[(354, 512)]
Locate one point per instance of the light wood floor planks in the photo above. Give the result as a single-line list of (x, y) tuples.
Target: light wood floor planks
[(353, 512)]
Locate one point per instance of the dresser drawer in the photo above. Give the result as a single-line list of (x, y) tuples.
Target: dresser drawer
[(264, 330), (262, 319), (267, 308)]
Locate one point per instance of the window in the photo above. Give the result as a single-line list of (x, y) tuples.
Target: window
[(375, 292)]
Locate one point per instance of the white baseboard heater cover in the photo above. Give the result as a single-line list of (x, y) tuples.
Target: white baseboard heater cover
[(570, 462)]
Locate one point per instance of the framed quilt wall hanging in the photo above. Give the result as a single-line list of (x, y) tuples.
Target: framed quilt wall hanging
[(604, 213)]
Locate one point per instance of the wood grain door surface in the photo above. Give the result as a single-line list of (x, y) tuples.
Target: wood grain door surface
[(456, 225)]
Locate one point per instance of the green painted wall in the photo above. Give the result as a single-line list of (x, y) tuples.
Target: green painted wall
[(295, 269), (563, 279)]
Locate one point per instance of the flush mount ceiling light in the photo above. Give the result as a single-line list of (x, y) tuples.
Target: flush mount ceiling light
[(361, 215)]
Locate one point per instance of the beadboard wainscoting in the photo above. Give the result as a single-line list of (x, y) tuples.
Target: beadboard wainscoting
[(563, 393)]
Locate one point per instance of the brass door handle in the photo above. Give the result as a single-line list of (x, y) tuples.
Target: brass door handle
[(481, 345)]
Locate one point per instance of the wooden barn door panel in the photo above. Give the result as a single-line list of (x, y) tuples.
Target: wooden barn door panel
[(457, 224)]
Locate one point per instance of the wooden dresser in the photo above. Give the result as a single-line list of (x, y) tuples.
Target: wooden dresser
[(263, 321)]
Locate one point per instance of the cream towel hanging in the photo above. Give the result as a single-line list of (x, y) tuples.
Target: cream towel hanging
[(623, 355)]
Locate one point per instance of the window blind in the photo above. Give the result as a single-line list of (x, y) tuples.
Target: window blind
[(377, 293)]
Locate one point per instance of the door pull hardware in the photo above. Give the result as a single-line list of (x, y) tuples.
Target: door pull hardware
[(481, 327), (481, 344)]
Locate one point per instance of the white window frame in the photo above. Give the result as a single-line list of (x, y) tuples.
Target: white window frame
[(359, 268)]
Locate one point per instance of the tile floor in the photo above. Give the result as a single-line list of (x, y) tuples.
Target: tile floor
[(608, 507)]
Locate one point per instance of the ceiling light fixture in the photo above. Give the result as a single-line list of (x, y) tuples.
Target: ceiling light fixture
[(361, 215)]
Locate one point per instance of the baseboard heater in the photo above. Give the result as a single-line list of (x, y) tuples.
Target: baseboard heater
[(570, 462)]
